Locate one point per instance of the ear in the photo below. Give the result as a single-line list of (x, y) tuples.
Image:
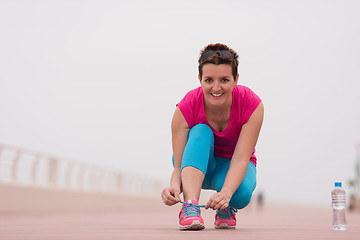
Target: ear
[(199, 77), (237, 78)]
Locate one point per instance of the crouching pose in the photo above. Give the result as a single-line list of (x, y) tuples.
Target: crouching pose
[(215, 128)]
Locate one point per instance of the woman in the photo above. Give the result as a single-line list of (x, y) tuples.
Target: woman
[(215, 128)]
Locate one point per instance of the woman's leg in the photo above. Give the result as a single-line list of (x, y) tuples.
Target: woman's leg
[(192, 179), (197, 161), (242, 196)]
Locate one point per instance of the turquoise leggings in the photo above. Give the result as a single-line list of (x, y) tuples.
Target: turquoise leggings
[(199, 153)]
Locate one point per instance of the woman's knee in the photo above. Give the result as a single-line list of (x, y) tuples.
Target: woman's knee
[(242, 196), (240, 199), (199, 148), (201, 131)]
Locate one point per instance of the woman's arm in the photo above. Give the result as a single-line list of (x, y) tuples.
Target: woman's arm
[(239, 163), (179, 131)]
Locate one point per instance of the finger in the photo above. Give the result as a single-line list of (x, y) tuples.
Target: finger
[(211, 204), (221, 204), (212, 201), (169, 193), (177, 196), (172, 197), (207, 205), (169, 202), (215, 197), (215, 201), (168, 198), (225, 205), (165, 200), (163, 196)]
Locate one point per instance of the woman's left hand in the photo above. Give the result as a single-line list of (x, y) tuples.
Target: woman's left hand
[(218, 201)]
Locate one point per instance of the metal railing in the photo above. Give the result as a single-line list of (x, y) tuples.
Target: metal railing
[(20, 166)]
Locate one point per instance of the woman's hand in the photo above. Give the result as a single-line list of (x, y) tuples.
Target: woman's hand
[(171, 195), (218, 201)]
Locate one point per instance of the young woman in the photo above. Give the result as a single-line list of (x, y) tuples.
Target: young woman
[(215, 128)]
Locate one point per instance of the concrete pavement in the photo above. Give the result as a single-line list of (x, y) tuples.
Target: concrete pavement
[(149, 219)]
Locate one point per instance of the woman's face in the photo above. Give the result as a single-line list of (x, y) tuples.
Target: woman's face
[(217, 83)]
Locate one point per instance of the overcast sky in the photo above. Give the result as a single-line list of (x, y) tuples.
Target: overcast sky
[(98, 81)]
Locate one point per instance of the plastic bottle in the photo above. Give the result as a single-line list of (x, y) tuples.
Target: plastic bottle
[(338, 197)]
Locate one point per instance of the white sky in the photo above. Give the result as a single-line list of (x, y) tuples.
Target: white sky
[(98, 81)]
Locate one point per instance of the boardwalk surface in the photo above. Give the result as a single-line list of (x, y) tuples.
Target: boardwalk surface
[(155, 221)]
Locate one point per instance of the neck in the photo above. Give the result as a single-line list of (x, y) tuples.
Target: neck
[(223, 110)]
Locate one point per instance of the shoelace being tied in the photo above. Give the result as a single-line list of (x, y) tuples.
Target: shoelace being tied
[(191, 209), (195, 205)]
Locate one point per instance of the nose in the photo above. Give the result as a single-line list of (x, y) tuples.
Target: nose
[(216, 86)]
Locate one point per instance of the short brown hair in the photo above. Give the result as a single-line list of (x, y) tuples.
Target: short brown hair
[(217, 59)]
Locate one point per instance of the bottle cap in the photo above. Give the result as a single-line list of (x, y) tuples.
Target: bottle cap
[(337, 184)]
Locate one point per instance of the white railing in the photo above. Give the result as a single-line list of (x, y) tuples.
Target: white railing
[(20, 166)]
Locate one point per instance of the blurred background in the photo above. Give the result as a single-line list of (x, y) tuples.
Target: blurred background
[(95, 83)]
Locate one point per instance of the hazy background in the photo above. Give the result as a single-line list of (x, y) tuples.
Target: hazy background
[(98, 81)]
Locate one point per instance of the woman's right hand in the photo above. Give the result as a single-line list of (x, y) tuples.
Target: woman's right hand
[(171, 195)]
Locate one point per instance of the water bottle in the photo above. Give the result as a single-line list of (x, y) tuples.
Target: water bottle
[(338, 197)]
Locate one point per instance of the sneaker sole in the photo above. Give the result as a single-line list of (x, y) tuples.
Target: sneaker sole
[(195, 225), (224, 226)]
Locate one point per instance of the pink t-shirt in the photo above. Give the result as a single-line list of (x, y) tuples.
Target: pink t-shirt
[(244, 102)]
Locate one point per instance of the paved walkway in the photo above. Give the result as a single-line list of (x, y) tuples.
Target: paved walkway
[(160, 222)]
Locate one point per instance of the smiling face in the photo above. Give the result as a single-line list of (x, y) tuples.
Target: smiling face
[(217, 83)]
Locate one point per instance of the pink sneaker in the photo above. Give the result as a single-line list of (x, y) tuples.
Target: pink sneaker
[(225, 218), (189, 216)]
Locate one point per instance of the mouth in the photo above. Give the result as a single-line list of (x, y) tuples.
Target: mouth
[(216, 94)]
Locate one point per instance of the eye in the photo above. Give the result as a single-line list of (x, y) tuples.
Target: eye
[(208, 80), (226, 80)]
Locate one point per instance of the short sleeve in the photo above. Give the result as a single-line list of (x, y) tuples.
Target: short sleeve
[(248, 102), (189, 106)]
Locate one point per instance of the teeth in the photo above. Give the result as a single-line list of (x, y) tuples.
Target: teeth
[(216, 95)]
